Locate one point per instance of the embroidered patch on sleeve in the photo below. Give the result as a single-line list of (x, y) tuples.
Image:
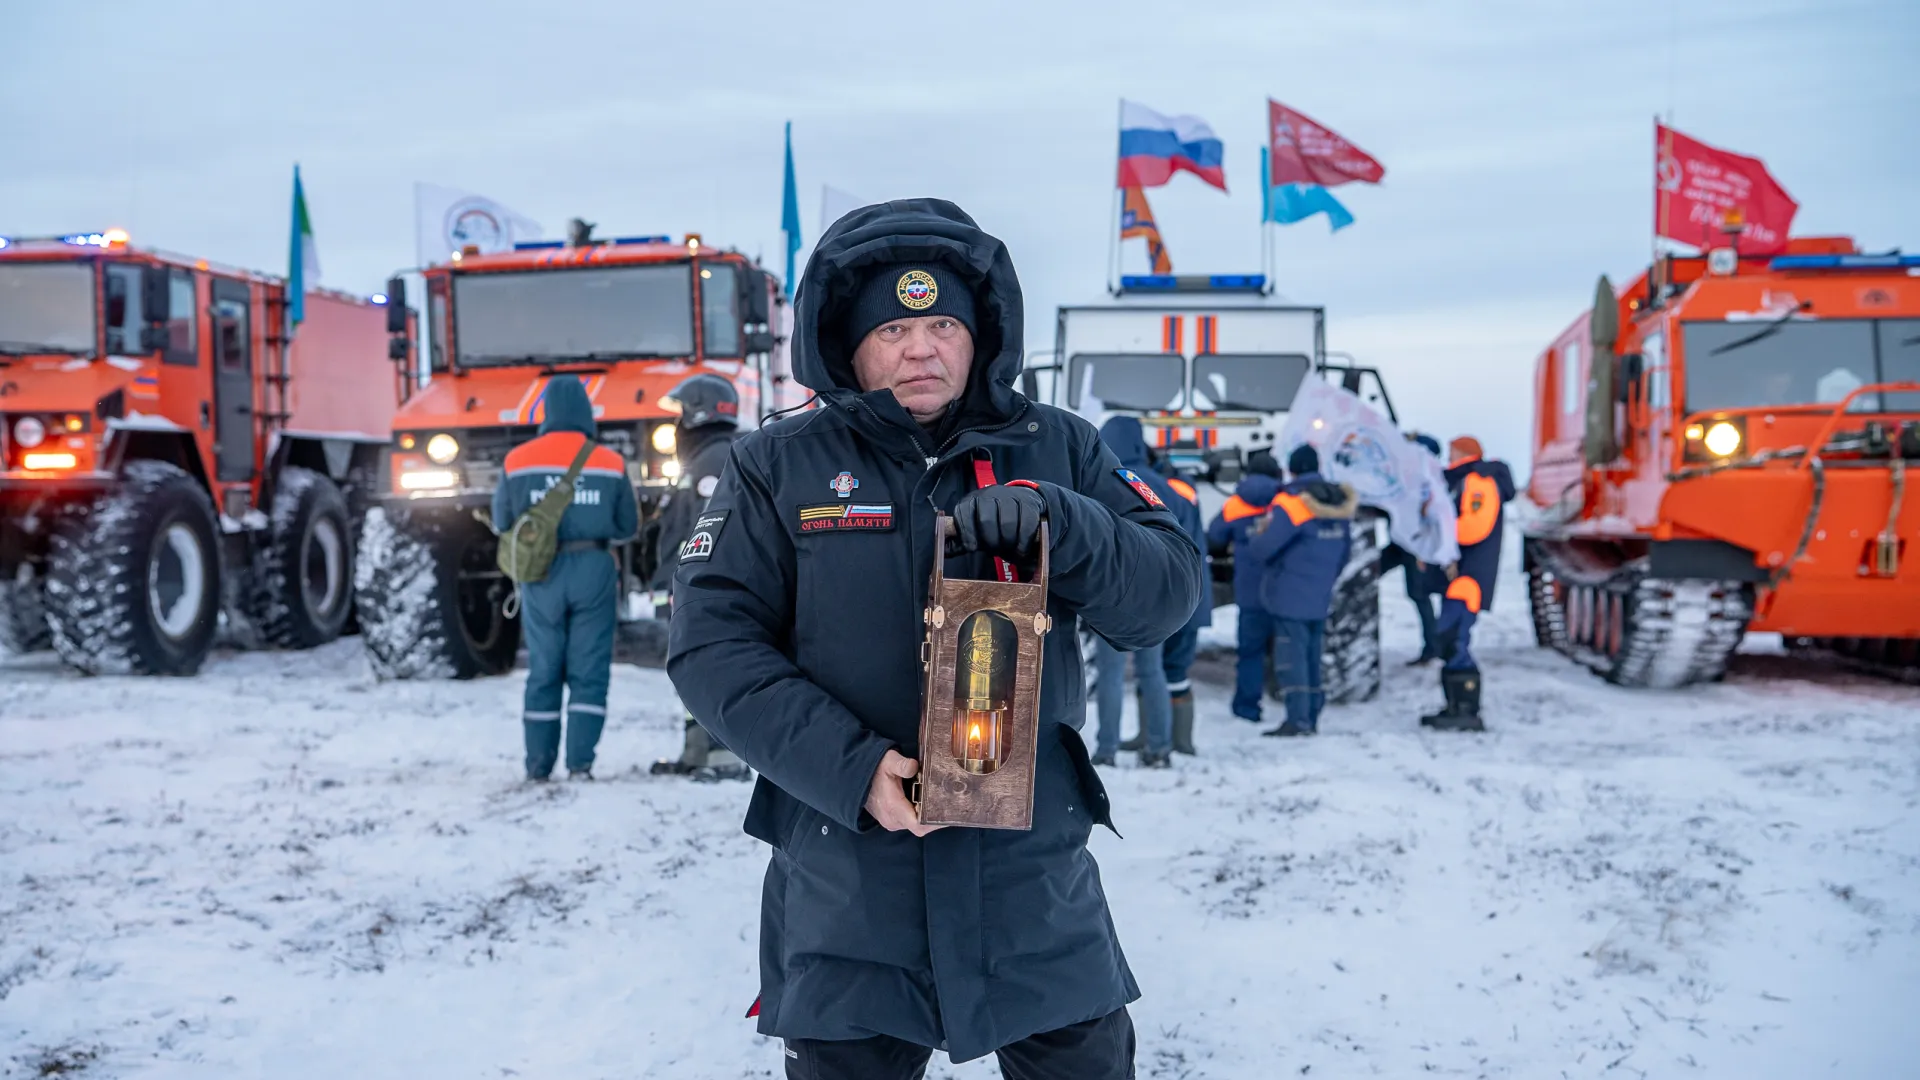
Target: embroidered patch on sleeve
[(1140, 488), (706, 533), (834, 517)]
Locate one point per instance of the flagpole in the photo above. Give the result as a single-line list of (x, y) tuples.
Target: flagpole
[(1267, 264)]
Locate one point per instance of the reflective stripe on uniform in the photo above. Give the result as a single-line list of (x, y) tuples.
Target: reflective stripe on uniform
[(1184, 489), (591, 710), (1294, 505), (1238, 508), (541, 717), (555, 451), (1479, 509), (1467, 591)]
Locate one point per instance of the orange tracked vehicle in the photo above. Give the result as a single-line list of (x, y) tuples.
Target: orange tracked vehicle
[(631, 317), (168, 453), (1729, 444)]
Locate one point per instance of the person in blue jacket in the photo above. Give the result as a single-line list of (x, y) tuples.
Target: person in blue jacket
[(568, 617), (1230, 531), (1481, 489), (1178, 652), (1302, 547), (1122, 436)]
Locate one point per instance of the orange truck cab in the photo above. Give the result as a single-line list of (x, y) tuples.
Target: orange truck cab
[(631, 318), (169, 454), (1727, 444)]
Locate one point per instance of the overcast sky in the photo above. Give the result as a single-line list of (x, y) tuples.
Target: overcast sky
[(1517, 137)]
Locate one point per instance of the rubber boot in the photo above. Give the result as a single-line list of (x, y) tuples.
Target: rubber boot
[(1462, 713), (1183, 722), (693, 754)]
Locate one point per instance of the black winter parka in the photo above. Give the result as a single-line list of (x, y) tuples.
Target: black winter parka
[(796, 641)]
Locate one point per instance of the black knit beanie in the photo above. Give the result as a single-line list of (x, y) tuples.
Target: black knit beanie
[(907, 290)]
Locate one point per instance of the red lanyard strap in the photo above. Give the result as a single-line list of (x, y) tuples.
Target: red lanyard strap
[(983, 477)]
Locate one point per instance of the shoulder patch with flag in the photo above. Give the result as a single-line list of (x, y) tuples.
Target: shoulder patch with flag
[(1141, 488)]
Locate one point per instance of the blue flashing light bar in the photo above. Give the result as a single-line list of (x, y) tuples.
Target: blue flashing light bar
[(1193, 282), (1891, 261), (545, 245)]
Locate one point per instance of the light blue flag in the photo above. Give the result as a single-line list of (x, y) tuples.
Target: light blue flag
[(303, 260), (1290, 203), (790, 214)]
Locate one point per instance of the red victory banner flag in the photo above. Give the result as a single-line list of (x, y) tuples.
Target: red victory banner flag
[(1304, 151), (1701, 193)]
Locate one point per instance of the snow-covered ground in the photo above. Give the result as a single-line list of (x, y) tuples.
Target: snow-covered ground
[(285, 869)]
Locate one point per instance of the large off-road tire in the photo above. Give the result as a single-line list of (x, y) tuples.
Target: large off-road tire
[(23, 611), (429, 600), (1350, 656), (133, 584), (303, 584)]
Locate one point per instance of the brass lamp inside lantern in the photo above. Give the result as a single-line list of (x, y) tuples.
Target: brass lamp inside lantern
[(983, 690)]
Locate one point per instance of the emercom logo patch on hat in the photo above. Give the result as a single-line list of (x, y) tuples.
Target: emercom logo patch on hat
[(917, 290)]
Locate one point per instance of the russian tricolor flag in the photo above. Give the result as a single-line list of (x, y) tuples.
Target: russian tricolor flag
[(1154, 147)]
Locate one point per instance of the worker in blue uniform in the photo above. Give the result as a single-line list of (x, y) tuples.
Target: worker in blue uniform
[(1480, 488), (568, 617), (1302, 546)]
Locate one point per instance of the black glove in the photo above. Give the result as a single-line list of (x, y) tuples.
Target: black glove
[(1000, 520)]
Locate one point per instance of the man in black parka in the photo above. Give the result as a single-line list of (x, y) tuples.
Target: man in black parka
[(796, 639), (707, 423)]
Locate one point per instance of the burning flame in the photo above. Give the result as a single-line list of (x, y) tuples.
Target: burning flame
[(975, 733)]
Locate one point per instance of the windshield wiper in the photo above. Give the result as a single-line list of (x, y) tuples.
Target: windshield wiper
[(1764, 333)]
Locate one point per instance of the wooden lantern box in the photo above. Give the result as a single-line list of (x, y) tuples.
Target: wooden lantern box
[(980, 711)]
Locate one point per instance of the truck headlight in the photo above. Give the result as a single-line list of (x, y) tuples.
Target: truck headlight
[(442, 449), (29, 432), (1722, 439), (665, 438)]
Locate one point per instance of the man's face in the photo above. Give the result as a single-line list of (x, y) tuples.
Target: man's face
[(923, 360)]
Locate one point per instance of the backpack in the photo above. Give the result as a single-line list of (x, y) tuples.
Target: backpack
[(527, 548)]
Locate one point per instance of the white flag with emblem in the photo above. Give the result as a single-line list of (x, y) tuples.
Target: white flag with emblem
[(447, 220), (1390, 472)]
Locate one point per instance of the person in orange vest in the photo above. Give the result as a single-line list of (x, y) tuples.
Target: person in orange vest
[(1229, 532), (1480, 489)]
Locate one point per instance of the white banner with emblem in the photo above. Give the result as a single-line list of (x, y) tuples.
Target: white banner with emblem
[(1391, 473), (446, 220)]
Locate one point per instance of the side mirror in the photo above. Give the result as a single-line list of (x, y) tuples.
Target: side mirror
[(396, 305), (397, 348), (756, 288), (760, 341), (156, 296)]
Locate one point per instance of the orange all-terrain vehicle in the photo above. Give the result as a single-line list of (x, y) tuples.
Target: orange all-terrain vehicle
[(1728, 444), (169, 453), (631, 318)]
